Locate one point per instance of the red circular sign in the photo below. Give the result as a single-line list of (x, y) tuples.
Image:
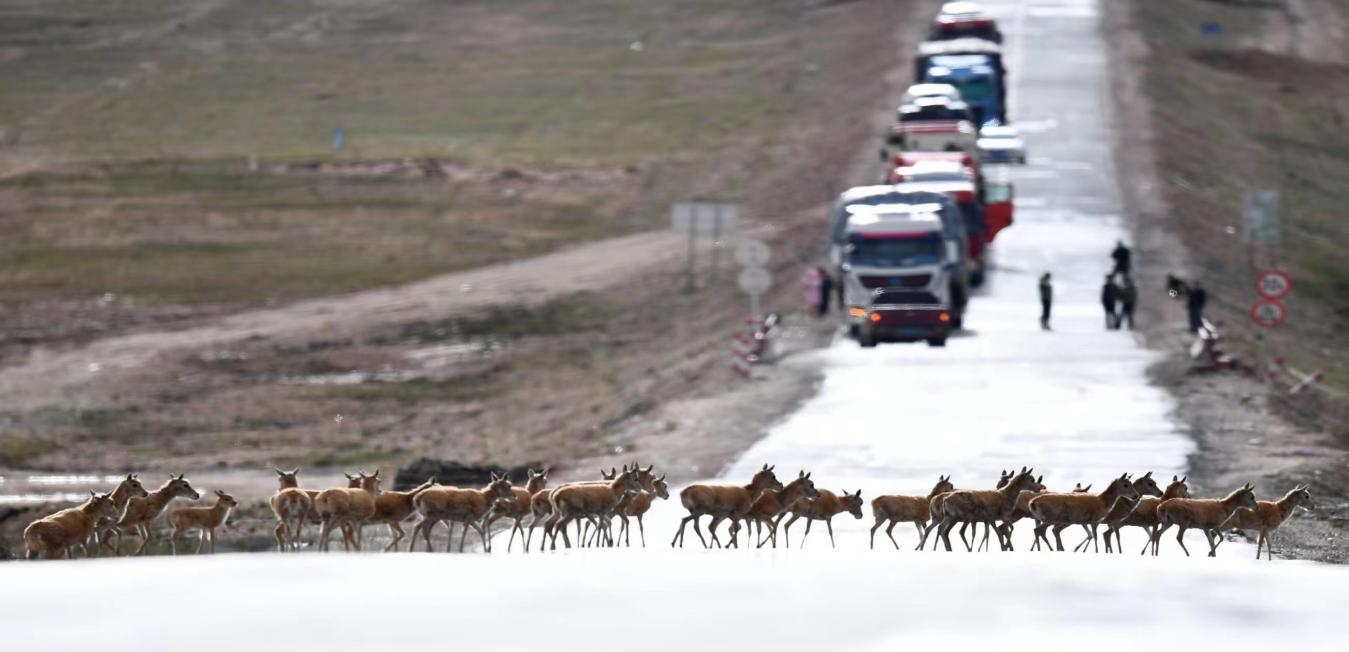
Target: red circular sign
[(1268, 313), (1273, 284)]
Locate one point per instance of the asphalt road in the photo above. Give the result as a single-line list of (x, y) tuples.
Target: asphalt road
[(1074, 403)]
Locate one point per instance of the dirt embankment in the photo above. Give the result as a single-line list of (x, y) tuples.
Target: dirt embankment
[(1173, 173)]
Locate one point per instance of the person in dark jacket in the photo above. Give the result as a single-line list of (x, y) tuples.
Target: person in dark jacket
[(826, 291), (1123, 258), (1195, 303), (1046, 300), (1109, 297), (1128, 298)]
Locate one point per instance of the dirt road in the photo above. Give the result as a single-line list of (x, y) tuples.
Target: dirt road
[(94, 371)]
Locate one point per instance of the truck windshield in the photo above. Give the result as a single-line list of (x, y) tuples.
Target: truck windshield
[(895, 251), (977, 89)]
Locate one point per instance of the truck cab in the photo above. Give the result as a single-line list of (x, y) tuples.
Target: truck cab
[(932, 136), (897, 264), (976, 78), (974, 66), (955, 263)]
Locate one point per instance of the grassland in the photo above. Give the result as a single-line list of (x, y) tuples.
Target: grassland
[(143, 145), (1255, 109)]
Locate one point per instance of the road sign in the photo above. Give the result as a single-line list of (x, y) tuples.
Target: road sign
[(755, 280), (1268, 314), (1260, 217), (704, 218), (1273, 284), (752, 253)]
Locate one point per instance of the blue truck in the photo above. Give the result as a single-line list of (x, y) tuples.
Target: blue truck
[(974, 67)]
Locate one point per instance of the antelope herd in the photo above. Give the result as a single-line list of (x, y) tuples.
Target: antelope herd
[(763, 504)]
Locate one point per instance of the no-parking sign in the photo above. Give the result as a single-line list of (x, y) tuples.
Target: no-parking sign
[(1268, 314), (1273, 284)]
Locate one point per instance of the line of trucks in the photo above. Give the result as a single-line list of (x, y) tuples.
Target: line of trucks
[(906, 252)]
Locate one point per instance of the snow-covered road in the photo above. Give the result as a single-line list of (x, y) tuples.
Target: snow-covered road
[(1074, 403)]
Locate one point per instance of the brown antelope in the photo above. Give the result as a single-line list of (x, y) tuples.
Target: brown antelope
[(1267, 517), (983, 506), (1022, 510), (206, 519), (141, 512), (293, 507), (348, 510), (936, 510), (768, 509), (824, 508), (1206, 514), (722, 502), (541, 505), (597, 501), (1062, 510), (130, 487), (58, 533), (906, 509), (1146, 488), (394, 507), (636, 506), (466, 507), (519, 508), (1143, 514)]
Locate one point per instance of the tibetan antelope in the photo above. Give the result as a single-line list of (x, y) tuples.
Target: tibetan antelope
[(52, 535), (1267, 517), (824, 508), (141, 512), (206, 519), (722, 502), (905, 509), (1207, 514)]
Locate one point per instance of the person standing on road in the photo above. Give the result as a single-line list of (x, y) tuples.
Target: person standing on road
[(1109, 297), (1128, 298), (1046, 300), (1195, 303), (826, 291), (1123, 259)]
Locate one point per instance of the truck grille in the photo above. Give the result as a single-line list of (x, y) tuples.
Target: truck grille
[(903, 280), (891, 298)]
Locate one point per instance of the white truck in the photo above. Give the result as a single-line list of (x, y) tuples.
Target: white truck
[(864, 199), (898, 269)]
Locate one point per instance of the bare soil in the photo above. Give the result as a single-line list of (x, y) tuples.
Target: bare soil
[(1245, 429)]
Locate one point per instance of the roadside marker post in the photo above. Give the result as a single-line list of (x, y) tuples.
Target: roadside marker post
[(754, 279)]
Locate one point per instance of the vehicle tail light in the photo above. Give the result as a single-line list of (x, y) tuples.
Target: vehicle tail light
[(875, 316), (857, 312), (945, 317)]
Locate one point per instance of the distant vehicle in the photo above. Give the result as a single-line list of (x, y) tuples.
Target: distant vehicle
[(956, 263), (1001, 144), (974, 66), (912, 158), (915, 91), (968, 20), (896, 267), (934, 108), (933, 136), (932, 170)]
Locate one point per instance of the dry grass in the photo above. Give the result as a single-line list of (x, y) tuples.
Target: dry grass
[(1239, 113)]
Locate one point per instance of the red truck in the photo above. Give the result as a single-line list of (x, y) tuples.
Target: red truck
[(985, 207)]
